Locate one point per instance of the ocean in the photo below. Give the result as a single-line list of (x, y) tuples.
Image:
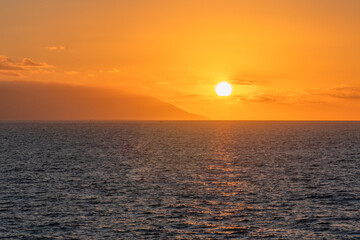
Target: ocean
[(180, 180)]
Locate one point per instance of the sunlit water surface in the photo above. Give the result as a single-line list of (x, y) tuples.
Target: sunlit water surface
[(186, 180)]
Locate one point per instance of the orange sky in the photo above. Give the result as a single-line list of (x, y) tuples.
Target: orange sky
[(285, 59)]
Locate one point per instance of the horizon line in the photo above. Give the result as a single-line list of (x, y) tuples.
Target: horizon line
[(180, 120)]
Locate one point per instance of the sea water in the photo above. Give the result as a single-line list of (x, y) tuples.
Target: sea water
[(180, 180)]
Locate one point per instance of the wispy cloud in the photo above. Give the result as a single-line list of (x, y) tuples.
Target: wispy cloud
[(344, 92), (306, 96), (242, 82), (114, 70), (259, 98), (9, 73), (9, 67), (55, 48)]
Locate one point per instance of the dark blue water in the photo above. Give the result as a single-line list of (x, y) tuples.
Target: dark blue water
[(180, 180)]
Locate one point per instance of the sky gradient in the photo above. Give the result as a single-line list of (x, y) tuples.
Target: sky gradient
[(286, 60)]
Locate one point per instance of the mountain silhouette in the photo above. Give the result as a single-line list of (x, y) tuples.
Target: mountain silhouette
[(55, 101)]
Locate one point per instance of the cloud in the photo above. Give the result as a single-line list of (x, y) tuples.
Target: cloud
[(55, 48), (242, 82), (114, 70), (310, 96), (344, 92), (260, 98), (29, 62), (7, 64), (9, 67), (12, 74)]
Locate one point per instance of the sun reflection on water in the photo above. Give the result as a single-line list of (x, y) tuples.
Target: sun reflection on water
[(221, 186)]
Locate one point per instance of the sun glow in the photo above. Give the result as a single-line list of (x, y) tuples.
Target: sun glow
[(223, 89)]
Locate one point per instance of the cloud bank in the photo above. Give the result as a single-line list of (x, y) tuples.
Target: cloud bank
[(9, 67)]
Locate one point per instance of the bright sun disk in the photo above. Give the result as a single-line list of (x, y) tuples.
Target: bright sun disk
[(223, 89)]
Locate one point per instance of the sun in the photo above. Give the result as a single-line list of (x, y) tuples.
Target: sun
[(223, 89)]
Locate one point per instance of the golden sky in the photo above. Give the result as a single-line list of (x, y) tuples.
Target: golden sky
[(286, 60)]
